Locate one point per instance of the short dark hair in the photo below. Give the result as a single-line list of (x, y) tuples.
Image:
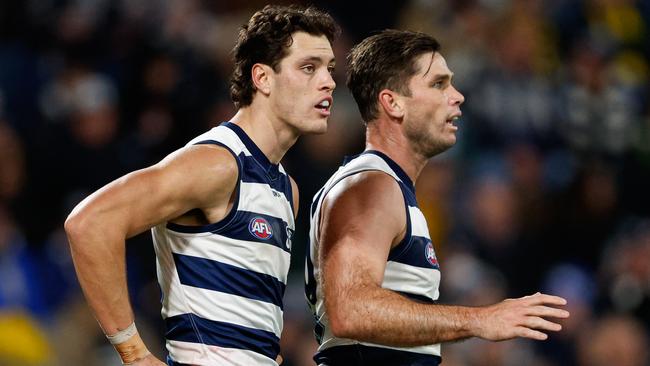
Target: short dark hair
[(385, 60), (266, 38)]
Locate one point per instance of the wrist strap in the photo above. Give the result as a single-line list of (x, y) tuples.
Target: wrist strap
[(123, 335)]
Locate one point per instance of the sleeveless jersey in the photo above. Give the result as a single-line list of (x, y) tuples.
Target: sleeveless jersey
[(411, 268), (223, 283)]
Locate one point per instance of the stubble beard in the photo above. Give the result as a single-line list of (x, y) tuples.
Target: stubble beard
[(426, 145)]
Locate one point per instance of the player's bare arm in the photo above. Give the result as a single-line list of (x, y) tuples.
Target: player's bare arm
[(359, 225), (197, 177)]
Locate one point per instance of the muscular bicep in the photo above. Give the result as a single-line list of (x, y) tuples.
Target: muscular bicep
[(194, 177), (360, 221)]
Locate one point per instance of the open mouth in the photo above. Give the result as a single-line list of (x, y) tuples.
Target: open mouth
[(452, 120), (324, 106)]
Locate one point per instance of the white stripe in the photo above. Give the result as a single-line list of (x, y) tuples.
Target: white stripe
[(223, 135), (433, 349), (331, 341), (418, 223), (173, 301), (416, 280), (204, 355), (228, 308), (253, 256), (367, 162), (261, 198)]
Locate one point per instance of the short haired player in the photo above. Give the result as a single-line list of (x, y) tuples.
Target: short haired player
[(372, 272)]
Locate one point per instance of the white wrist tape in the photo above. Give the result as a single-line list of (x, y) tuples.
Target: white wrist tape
[(123, 335)]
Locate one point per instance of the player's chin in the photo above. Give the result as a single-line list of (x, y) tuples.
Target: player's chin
[(441, 146), (451, 141), (316, 127)]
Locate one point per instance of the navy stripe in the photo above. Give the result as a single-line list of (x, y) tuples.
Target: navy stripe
[(244, 229), (395, 167), (217, 276), (409, 196), (194, 329), (267, 166), (241, 229), (403, 245), (358, 354), (253, 173), (310, 281), (419, 298), (290, 196), (415, 254), (171, 362), (314, 204)]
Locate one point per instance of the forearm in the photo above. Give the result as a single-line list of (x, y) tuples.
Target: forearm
[(385, 317), (99, 259)]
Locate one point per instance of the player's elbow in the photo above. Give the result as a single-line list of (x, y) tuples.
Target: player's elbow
[(342, 321), (74, 227), (340, 327), (78, 226), (347, 327)]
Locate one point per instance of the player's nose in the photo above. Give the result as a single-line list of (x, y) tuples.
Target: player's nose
[(457, 97), (327, 82)]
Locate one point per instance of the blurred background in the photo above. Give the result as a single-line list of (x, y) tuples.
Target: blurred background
[(548, 188)]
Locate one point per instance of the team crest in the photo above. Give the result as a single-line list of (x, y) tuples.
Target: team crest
[(260, 228), (430, 254)]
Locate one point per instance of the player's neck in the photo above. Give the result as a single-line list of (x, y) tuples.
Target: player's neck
[(388, 139), (271, 137)]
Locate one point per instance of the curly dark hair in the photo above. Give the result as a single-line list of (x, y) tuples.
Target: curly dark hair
[(385, 60), (266, 38)]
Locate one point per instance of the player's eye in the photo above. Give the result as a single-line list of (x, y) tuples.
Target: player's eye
[(309, 69)]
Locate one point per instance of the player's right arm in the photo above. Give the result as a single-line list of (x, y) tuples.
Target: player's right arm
[(195, 177), (362, 218)]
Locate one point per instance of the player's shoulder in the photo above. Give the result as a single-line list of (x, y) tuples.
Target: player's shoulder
[(370, 181), (208, 156), (370, 200), (373, 188), (204, 162)]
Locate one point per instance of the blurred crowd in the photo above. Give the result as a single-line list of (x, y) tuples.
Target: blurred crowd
[(548, 188)]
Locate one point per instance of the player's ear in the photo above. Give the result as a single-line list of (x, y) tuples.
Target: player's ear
[(391, 103), (260, 75)]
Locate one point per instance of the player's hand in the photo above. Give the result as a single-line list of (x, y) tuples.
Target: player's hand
[(149, 360), (523, 317), (279, 360)]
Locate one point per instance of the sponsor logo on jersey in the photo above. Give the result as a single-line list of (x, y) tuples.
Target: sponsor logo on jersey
[(430, 254), (260, 228)]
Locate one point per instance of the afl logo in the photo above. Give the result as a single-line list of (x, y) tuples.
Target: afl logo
[(260, 228), (430, 254)]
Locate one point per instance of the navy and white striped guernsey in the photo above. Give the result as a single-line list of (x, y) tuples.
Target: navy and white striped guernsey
[(223, 283), (411, 270)]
